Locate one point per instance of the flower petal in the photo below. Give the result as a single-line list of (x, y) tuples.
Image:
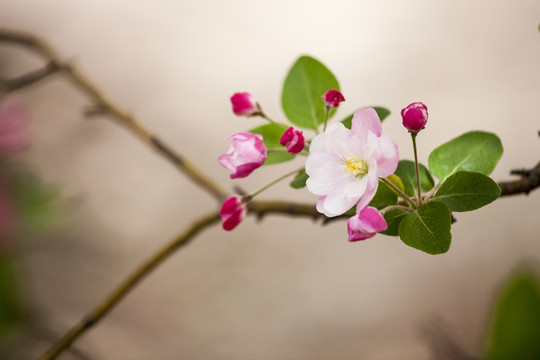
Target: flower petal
[(365, 120)]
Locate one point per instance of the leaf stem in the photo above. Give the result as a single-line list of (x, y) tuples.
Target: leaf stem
[(399, 191), (396, 207)]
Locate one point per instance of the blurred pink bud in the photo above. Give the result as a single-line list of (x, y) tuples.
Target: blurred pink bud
[(365, 224), (293, 140), (14, 119), (415, 116), (246, 154), (232, 212), (245, 104), (332, 98)]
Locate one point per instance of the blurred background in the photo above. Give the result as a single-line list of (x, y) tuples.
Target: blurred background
[(282, 288)]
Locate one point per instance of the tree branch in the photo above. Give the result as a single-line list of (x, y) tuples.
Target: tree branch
[(101, 102), (126, 286), (28, 79), (530, 180)]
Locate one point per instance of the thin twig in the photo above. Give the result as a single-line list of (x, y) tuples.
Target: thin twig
[(33, 77), (102, 102), (257, 208), (125, 287)]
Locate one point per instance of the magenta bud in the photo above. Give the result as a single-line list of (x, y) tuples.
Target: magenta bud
[(293, 140), (332, 98), (415, 116), (232, 212), (365, 224), (245, 104)]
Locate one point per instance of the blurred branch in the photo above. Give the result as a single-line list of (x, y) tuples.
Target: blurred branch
[(28, 79), (257, 208), (56, 64), (101, 105), (125, 287), (530, 180)]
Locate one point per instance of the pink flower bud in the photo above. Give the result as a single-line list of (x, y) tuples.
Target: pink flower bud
[(14, 119), (245, 104), (332, 98), (365, 224), (246, 154), (232, 212), (415, 116), (293, 140)]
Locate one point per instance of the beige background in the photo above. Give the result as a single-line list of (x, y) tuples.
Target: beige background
[(284, 288)]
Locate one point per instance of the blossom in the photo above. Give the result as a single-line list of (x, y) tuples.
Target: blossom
[(246, 154), (365, 224), (344, 165), (245, 104), (332, 98), (415, 116), (232, 212), (293, 140), (14, 135)]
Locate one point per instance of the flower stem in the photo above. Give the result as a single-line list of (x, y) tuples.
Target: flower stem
[(284, 127), (326, 113), (396, 207), (413, 136), (399, 191), (251, 196)]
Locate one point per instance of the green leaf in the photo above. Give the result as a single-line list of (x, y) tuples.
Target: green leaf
[(383, 197), (305, 84), (466, 191), (271, 134), (515, 329), (473, 151), (393, 219), (36, 201), (381, 111), (10, 305), (406, 170), (428, 228), (300, 179)]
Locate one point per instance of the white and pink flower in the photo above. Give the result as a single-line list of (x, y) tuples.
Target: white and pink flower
[(246, 154), (245, 104), (365, 224), (293, 140), (344, 166)]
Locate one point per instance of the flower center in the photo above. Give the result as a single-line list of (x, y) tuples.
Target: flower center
[(355, 166)]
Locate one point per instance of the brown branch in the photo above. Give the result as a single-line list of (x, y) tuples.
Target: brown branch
[(101, 102), (257, 208), (530, 180), (33, 77), (94, 316)]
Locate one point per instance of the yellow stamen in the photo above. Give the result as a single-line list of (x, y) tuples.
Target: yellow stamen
[(355, 166)]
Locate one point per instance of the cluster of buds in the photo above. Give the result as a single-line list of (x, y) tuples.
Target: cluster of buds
[(344, 167)]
